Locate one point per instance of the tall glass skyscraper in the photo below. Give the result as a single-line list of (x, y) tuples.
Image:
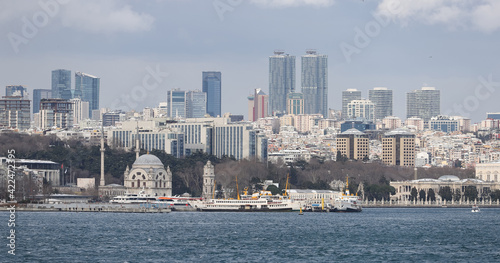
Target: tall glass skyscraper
[(314, 82), (39, 94), (212, 87), (16, 90), (347, 96), (382, 98), (281, 81), (87, 88), (61, 84), (196, 104), (423, 103), (176, 100)]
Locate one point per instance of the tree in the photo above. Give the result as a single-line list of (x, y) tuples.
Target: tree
[(273, 189), (471, 192), (431, 196), (421, 195), (446, 193), (495, 195), (414, 194), (457, 194)]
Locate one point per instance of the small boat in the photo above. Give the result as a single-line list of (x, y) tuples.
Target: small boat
[(475, 209), (347, 202)]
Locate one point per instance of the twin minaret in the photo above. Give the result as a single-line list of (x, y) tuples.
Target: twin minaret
[(102, 183), (208, 181)]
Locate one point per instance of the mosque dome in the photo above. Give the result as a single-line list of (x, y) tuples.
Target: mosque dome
[(148, 159)]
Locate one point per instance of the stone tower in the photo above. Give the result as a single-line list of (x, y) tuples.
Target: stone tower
[(208, 181)]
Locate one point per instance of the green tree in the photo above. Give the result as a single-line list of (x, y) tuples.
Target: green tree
[(495, 195), (457, 194), (273, 189), (431, 196), (413, 194), (446, 193), (471, 192), (421, 195)]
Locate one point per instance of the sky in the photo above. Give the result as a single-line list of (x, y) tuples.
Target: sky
[(142, 49)]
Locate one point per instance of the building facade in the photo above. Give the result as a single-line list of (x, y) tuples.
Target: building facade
[(176, 100), (423, 103), (148, 175), (382, 98), (353, 144), (61, 84), (443, 123), (314, 82), (17, 91), (347, 96), (281, 81), (364, 109), (295, 103), (87, 87), (260, 106), (55, 113), (15, 112), (398, 148), (38, 95), (212, 86), (196, 104), (80, 110)]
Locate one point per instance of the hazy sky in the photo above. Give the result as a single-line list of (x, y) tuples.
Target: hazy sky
[(141, 49)]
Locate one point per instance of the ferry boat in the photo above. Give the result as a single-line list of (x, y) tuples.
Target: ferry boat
[(175, 203), (347, 202), (244, 205), (129, 198)]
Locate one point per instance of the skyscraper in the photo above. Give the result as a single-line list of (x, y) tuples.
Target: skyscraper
[(87, 88), (423, 103), (16, 90), (260, 106), (176, 100), (61, 84), (315, 83), (212, 83), (196, 104), (39, 94), (347, 96), (55, 113), (281, 81), (382, 98), (80, 110)]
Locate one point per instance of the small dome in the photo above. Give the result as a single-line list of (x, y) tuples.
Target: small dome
[(452, 178), (148, 159)]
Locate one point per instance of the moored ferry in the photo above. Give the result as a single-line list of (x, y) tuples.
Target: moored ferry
[(347, 202), (129, 198), (245, 205)]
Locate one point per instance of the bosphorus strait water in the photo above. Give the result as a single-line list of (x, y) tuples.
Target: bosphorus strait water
[(374, 235)]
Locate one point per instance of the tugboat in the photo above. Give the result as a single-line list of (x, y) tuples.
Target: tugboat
[(347, 202)]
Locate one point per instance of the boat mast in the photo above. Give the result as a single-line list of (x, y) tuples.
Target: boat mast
[(237, 190)]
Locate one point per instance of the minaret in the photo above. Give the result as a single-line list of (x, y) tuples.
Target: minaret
[(208, 181), (137, 143), (102, 183)]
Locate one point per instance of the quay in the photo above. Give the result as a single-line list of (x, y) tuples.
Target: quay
[(84, 207)]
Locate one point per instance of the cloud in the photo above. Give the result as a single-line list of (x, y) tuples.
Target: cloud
[(479, 15), (292, 3), (104, 17)]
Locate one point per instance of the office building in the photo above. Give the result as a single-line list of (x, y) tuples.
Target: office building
[(295, 103), (423, 103), (196, 104), (362, 109), (87, 87), (382, 98), (80, 110), (260, 106), (250, 106), (360, 125), (39, 94), (353, 144), (347, 96), (239, 140), (444, 124), (15, 112), (398, 148), (281, 81), (314, 82), (176, 100), (212, 86), (55, 113), (493, 115), (61, 84), (110, 118), (16, 91), (391, 122)]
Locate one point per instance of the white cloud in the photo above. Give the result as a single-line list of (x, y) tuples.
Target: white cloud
[(471, 14), (104, 17), (292, 3)]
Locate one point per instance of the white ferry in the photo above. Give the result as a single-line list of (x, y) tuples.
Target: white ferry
[(175, 203), (128, 198), (347, 202), (258, 202)]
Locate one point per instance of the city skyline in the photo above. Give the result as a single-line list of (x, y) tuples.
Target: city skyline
[(369, 44)]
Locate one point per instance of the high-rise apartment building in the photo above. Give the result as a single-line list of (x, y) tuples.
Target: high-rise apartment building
[(16, 91), (364, 109), (398, 148), (39, 94), (423, 103), (353, 144), (295, 103), (61, 84), (15, 112), (281, 81), (251, 103), (347, 96), (196, 104), (382, 98), (261, 101), (212, 86), (176, 100), (87, 87), (314, 80), (80, 110), (55, 113)]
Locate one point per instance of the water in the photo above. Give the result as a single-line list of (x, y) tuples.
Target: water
[(376, 234)]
